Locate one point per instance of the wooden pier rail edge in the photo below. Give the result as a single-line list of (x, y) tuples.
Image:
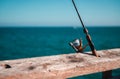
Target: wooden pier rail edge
[(61, 66)]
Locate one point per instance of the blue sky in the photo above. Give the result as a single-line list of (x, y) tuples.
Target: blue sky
[(59, 12)]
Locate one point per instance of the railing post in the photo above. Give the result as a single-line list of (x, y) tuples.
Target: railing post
[(107, 74)]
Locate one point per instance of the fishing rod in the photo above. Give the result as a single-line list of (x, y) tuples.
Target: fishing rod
[(91, 45)]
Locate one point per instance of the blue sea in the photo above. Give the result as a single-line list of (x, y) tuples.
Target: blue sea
[(26, 42)]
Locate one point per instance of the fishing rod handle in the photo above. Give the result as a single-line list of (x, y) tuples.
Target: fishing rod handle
[(91, 45)]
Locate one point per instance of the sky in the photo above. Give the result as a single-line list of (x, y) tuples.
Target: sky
[(59, 12)]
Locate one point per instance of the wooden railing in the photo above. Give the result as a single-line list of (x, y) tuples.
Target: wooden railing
[(61, 66)]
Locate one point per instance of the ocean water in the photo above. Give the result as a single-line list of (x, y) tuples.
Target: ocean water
[(26, 42)]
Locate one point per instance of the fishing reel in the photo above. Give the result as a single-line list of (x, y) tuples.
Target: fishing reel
[(77, 45), (74, 44)]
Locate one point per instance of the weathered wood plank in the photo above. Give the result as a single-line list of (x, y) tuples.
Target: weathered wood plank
[(60, 66)]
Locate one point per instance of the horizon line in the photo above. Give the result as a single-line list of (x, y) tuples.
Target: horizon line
[(63, 26)]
